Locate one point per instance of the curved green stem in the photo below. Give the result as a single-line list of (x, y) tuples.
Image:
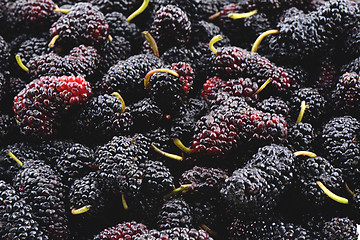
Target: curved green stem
[(214, 40), (149, 74), (262, 86), (152, 43), (62, 10), (260, 38), (181, 146), (242, 15), (215, 15), (116, 94), (15, 158), (81, 210), (181, 189), (305, 153), (348, 189), (124, 203), (169, 155), (209, 230), (53, 40), (138, 11), (332, 195), (302, 111), (20, 63)]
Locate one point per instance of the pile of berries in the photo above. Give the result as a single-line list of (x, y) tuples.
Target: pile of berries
[(179, 119)]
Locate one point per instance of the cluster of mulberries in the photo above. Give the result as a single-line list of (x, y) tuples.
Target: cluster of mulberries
[(179, 119)]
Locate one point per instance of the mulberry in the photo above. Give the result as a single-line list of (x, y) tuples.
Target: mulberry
[(341, 148), (37, 106), (126, 230), (103, 117), (346, 94), (127, 76), (84, 24), (174, 213), (171, 26), (16, 216), (42, 189)]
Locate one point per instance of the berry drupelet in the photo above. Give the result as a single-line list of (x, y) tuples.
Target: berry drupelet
[(353, 66), (74, 162), (38, 105), (241, 87), (316, 109), (311, 170), (210, 212), (32, 15), (126, 230), (85, 59), (84, 24), (82, 60), (87, 192), (2, 86), (232, 62), (112, 52), (205, 181), (157, 181), (176, 233), (203, 31), (161, 138), (183, 123), (268, 174), (301, 137), (4, 54), (274, 105), (8, 129), (118, 26), (273, 7), (303, 35), (101, 118), (32, 47), (346, 95), (25, 152), (119, 159), (16, 216), (197, 55), (198, 9), (52, 149), (169, 91), (129, 177), (41, 187), (259, 128), (146, 114), (301, 76), (340, 228), (341, 146), (253, 25), (174, 213), (351, 43), (49, 64), (326, 77), (171, 26), (13, 86), (236, 194), (277, 161), (108, 6), (3, 16), (214, 134), (204, 199), (267, 229), (127, 76)]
